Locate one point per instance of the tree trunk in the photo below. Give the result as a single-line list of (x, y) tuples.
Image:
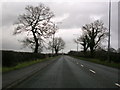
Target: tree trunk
[(36, 43), (84, 52), (56, 51), (92, 52), (36, 46)]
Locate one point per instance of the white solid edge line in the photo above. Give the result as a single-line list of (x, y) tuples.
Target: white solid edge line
[(92, 71), (117, 84), (81, 65)]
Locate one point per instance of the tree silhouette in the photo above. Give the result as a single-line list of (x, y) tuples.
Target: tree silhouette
[(95, 33), (58, 45), (83, 40), (36, 22)]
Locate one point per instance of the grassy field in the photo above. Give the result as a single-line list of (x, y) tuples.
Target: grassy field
[(106, 63), (24, 64)]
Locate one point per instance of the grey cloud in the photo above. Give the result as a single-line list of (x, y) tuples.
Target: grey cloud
[(11, 11), (80, 13)]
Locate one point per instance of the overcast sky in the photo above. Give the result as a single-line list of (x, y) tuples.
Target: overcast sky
[(73, 15)]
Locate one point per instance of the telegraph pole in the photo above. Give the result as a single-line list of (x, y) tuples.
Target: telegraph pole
[(109, 30), (77, 46), (76, 42)]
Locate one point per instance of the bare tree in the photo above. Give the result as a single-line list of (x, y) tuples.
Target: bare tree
[(30, 43), (36, 22), (96, 32), (58, 45), (83, 40)]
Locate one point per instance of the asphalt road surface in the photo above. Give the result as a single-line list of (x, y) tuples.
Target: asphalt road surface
[(68, 72)]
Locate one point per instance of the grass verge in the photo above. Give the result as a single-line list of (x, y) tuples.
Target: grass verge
[(24, 64), (106, 63)]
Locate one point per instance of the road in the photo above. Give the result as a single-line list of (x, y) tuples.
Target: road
[(68, 72)]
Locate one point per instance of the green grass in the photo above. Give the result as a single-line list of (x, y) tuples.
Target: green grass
[(106, 63), (24, 64)]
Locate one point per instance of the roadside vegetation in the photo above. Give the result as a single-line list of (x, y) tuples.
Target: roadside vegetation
[(103, 62), (21, 65), (12, 60), (100, 57), (24, 64)]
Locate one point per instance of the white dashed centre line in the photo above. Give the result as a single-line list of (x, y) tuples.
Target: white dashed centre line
[(92, 71), (77, 63), (117, 84), (82, 65)]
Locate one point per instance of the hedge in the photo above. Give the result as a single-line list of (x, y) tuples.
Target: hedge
[(102, 55), (11, 58)]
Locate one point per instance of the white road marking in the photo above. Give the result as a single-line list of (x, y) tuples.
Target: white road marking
[(117, 84), (82, 65), (77, 63), (92, 71)]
